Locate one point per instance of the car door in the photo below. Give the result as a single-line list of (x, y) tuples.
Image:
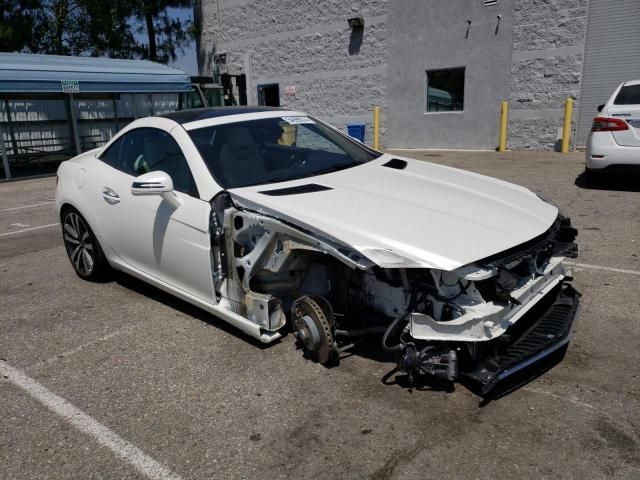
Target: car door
[(149, 234)]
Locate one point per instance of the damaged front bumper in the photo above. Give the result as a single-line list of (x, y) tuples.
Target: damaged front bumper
[(544, 330)]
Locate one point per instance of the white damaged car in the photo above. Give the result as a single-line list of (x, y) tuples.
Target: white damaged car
[(273, 220)]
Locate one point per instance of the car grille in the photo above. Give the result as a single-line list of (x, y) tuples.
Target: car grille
[(546, 326)]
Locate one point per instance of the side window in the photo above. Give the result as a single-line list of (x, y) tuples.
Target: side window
[(112, 155), (149, 149)]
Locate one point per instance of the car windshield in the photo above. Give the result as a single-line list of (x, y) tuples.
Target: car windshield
[(273, 150)]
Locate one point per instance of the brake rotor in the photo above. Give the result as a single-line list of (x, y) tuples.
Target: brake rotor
[(312, 319)]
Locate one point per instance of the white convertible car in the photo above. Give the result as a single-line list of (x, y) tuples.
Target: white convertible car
[(271, 219)]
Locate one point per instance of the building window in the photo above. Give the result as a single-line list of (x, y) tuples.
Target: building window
[(445, 90)]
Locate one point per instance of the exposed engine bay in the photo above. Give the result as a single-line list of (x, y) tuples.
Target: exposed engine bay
[(483, 321)]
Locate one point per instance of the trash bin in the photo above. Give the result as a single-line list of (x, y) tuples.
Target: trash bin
[(356, 130)]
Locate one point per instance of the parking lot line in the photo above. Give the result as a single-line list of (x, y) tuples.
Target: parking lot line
[(79, 348), (26, 206), (88, 425), (571, 399), (600, 267), (28, 229)]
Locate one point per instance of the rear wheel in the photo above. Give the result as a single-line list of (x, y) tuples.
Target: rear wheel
[(82, 247)]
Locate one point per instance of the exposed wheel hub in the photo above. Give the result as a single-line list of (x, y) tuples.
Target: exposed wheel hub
[(313, 322)]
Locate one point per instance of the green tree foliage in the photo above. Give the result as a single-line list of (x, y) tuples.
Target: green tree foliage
[(60, 28), (95, 28), (166, 35), (16, 23), (111, 30)]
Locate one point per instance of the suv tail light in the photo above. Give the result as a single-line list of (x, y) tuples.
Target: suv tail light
[(604, 124)]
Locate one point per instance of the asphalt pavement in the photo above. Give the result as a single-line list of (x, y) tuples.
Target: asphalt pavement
[(120, 380)]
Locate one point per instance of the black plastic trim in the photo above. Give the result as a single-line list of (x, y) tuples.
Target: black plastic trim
[(536, 337), (396, 164), (297, 190)]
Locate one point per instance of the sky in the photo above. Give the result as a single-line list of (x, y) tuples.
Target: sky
[(186, 60)]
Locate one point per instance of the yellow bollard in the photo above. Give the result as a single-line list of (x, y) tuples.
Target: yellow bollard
[(504, 114), (376, 128), (566, 128)]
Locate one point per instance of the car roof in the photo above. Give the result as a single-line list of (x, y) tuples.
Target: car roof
[(196, 114), (631, 83)]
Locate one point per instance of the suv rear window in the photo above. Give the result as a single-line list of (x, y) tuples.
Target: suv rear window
[(629, 95)]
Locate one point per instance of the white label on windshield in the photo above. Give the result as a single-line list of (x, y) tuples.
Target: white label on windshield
[(297, 120)]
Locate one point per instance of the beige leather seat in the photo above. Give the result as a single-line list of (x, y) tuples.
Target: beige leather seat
[(240, 159), (162, 153)]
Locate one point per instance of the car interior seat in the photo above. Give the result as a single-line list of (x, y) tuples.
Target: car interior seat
[(240, 160), (162, 153)]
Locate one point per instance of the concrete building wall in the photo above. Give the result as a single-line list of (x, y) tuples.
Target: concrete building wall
[(532, 57), (338, 74), (548, 48), (432, 34)]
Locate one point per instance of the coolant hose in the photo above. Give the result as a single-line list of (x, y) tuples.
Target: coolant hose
[(389, 330)]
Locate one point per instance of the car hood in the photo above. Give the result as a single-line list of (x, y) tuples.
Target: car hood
[(423, 215)]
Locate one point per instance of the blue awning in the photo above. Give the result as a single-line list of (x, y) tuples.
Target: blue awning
[(31, 73)]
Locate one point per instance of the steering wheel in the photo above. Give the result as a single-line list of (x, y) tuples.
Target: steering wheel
[(297, 159)]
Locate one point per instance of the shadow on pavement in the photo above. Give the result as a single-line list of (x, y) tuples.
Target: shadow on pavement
[(418, 383), (186, 308), (369, 348), (613, 182)]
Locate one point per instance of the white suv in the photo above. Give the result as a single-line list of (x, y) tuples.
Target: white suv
[(614, 142)]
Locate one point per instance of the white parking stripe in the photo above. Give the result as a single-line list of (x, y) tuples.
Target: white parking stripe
[(79, 348), (26, 206), (28, 229), (608, 269), (88, 425)]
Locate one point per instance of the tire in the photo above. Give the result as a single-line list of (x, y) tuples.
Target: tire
[(84, 251)]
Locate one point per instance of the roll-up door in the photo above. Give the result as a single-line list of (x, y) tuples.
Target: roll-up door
[(612, 56)]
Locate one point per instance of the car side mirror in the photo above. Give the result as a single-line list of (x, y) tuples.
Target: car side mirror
[(155, 183), (600, 107)]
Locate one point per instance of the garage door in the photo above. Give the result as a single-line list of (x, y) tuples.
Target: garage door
[(612, 55)]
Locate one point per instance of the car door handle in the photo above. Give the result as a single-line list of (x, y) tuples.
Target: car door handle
[(110, 196)]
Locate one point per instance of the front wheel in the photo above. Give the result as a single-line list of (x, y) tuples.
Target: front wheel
[(82, 247)]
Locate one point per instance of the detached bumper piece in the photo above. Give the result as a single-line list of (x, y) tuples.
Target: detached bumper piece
[(544, 331)]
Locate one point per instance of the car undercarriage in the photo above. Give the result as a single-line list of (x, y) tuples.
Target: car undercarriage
[(484, 321)]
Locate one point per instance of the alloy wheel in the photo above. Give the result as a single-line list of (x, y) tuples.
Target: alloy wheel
[(77, 240)]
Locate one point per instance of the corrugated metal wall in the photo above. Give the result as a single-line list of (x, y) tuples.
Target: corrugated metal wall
[(612, 56), (42, 124)]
